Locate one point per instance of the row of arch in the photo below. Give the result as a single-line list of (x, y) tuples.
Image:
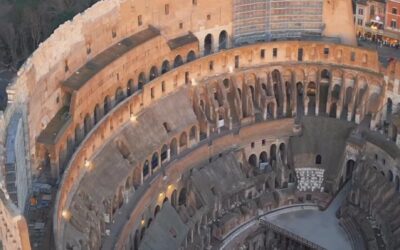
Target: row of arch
[(255, 161)]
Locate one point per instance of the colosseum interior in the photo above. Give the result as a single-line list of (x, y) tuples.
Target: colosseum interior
[(177, 124)]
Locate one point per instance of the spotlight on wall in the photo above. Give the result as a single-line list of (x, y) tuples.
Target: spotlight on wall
[(66, 215), (194, 82), (87, 164), (230, 69), (133, 118)]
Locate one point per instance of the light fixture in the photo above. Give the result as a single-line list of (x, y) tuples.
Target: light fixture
[(230, 69), (133, 118), (66, 215)]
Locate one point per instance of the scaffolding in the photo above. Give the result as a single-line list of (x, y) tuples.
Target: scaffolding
[(260, 20)]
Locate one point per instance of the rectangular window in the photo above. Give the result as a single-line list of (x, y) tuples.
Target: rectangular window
[(262, 54), (166, 9), (237, 62), (361, 12), (300, 54), (326, 51), (140, 21), (194, 2), (186, 77), (360, 22), (211, 65), (180, 25), (274, 52), (163, 86), (353, 56), (393, 24), (152, 93), (394, 11)]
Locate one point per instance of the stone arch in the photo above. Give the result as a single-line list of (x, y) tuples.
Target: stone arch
[(165, 67), (318, 159), (263, 157), (154, 161), (193, 133), (278, 90), (182, 200), (153, 73), (130, 87), (164, 152), (178, 61), (390, 176), (223, 40), (119, 95), (174, 198), (146, 168), (347, 101), (208, 44), (325, 75), (87, 124), (350, 165), (174, 147), (156, 210), (272, 153), (282, 152), (97, 114), (107, 104), (183, 140), (141, 80), (253, 160), (311, 94), (300, 99), (191, 56)]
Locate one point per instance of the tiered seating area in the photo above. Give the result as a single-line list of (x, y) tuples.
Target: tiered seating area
[(310, 179)]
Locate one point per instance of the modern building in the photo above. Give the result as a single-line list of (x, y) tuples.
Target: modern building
[(239, 124)]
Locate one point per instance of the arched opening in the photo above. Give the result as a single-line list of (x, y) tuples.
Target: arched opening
[(193, 132), (397, 183), (165, 200), (173, 147), (97, 114), (311, 93), (130, 88), (335, 94), (223, 40), (288, 99), (78, 136), (349, 168), (146, 168), (263, 157), (389, 109), (325, 75), (208, 44), (345, 109), (107, 104), (178, 61), (333, 109), (282, 152), (174, 198), (164, 153), (183, 140), (300, 99), (272, 153), (141, 81), (87, 124), (149, 222), (270, 110), (182, 197), (154, 161), (191, 56), (153, 73), (390, 175), (278, 90), (165, 67), (156, 211), (119, 96), (318, 159), (136, 241), (142, 232), (253, 160), (226, 83)]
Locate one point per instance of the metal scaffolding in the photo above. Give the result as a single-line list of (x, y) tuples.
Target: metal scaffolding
[(256, 20)]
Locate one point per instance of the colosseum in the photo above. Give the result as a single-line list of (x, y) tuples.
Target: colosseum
[(201, 124)]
